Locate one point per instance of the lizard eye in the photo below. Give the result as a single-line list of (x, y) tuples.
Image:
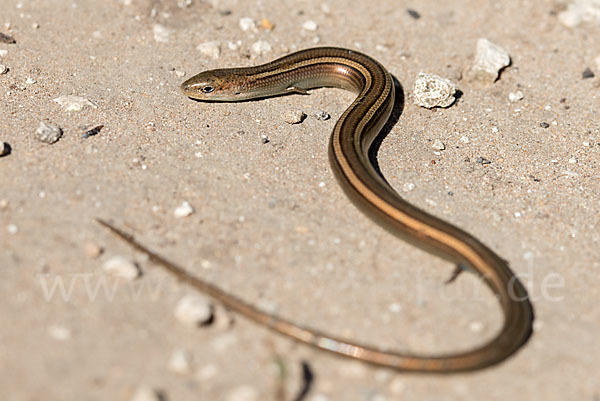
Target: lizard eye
[(208, 89)]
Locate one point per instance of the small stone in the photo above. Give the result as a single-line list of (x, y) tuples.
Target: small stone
[(247, 24), (3, 69), (264, 139), (483, 160), (4, 149), (48, 133), (408, 186), (59, 333), (261, 47), (194, 310), (293, 117), (322, 115), (243, 393), (184, 210), (310, 25), (3, 52), (30, 81), (161, 33), (120, 266), (93, 131), (580, 11), (211, 49), (515, 96), (544, 124), (184, 3), (73, 103), (12, 229), (93, 250), (181, 361), (433, 91), (489, 60), (587, 73), (438, 145), (267, 25), (4, 38), (145, 393), (414, 14)]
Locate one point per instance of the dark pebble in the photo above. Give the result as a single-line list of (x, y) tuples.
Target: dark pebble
[(587, 74), (91, 132), (544, 125), (413, 13), (4, 38), (483, 160)]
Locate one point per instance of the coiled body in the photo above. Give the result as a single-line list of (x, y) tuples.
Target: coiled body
[(350, 141)]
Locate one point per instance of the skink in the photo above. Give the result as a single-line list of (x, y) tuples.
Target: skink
[(349, 145)]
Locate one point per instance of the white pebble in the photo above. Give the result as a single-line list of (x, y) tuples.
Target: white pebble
[(580, 11), (184, 3), (145, 393), (489, 60), (161, 33), (234, 45), (48, 133), (515, 96), (120, 266), (30, 81), (3, 69), (293, 116), (73, 103), (181, 361), (261, 47), (310, 25), (59, 333), (210, 49), (433, 91), (408, 186), (194, 310), (243, 393), (438, 145), (12, 229), (247, 24), (4, 148), (465, 139), (184, 210), (3, 53)]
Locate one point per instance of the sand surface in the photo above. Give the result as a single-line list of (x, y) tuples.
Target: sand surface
[(270, 223)]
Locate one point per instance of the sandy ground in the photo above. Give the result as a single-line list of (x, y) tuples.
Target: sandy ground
[(270, 222)]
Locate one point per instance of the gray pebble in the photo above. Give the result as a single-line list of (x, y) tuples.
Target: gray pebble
[(587, 73), (483, 160), (91, 131), (48, 133), (264, 139), (4, 38), (322, 115), (433, 91), (294, 117), (544, 124)]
